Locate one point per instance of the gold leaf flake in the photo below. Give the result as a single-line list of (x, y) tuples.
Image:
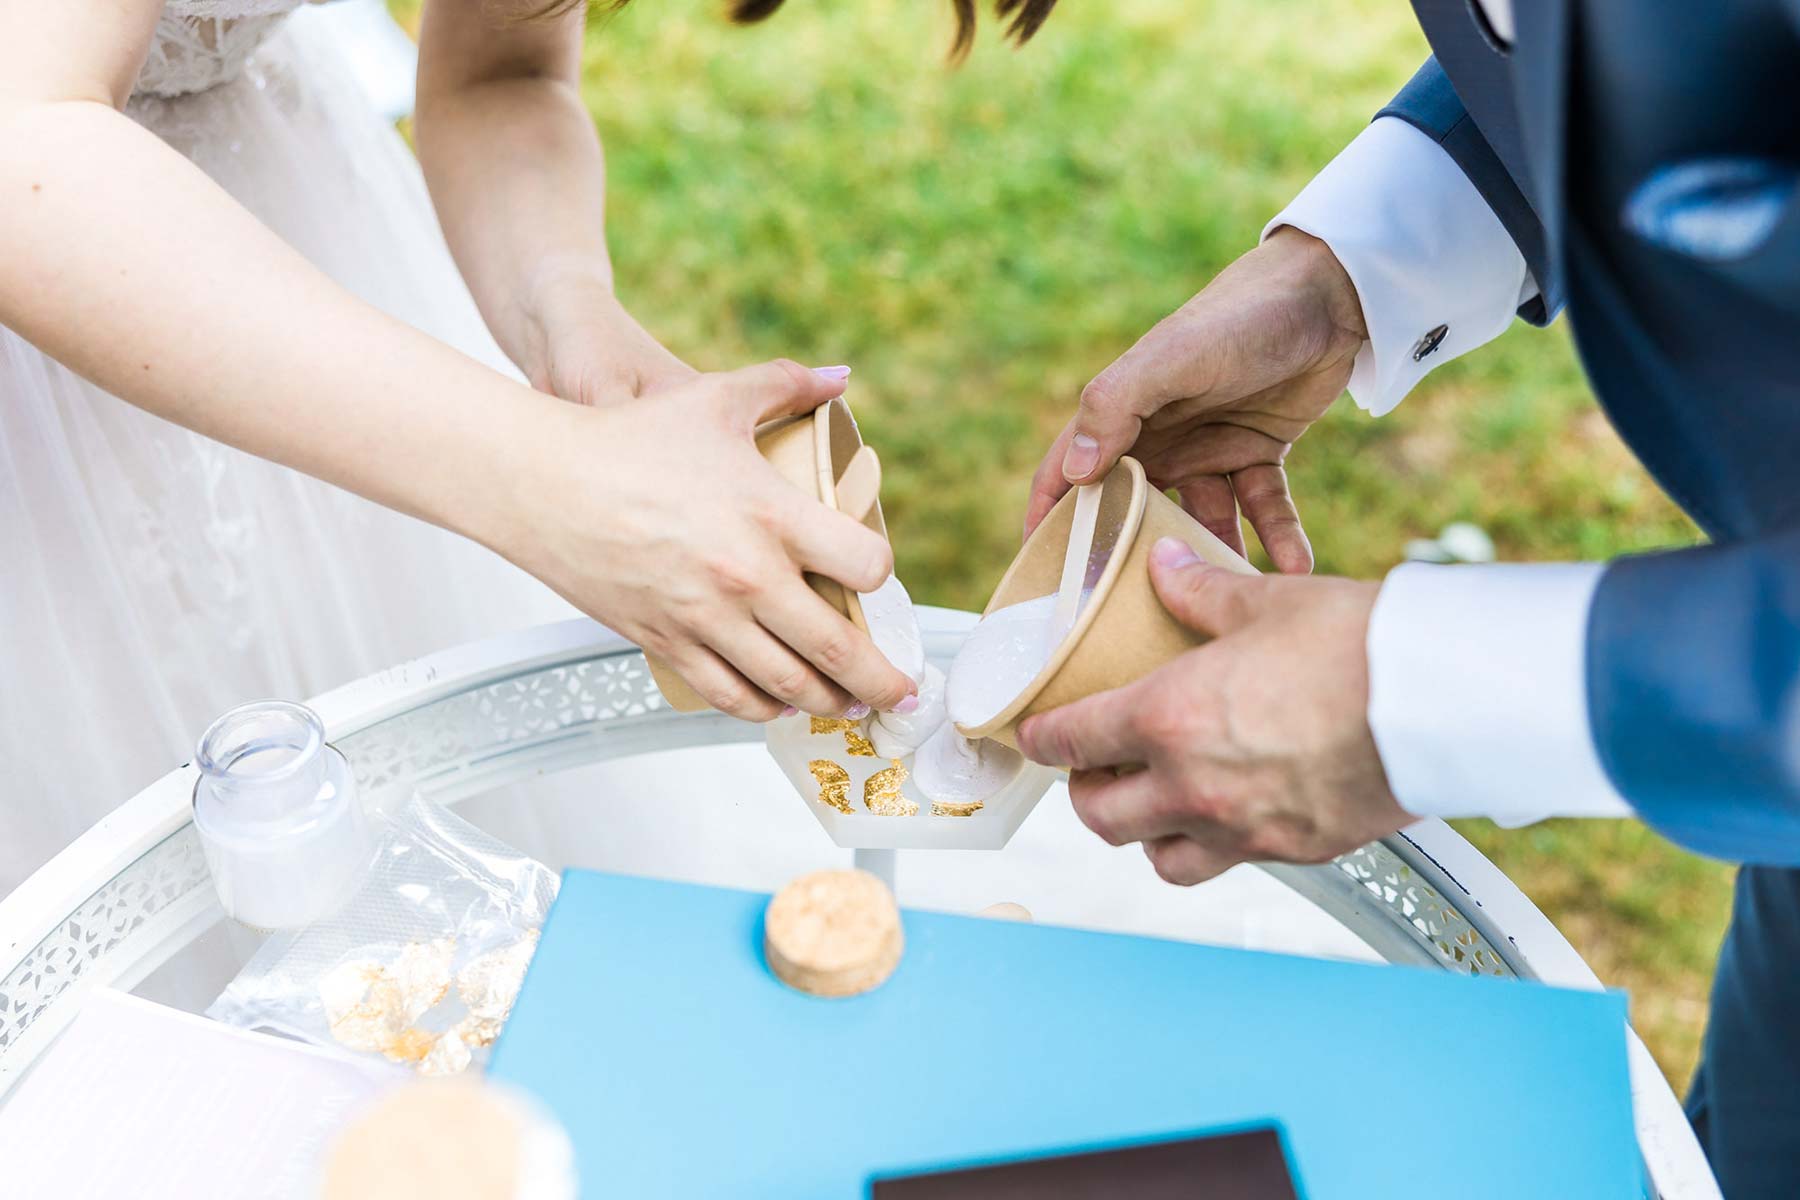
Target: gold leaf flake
[(373, 1006), (346, 986), (411, 1046), (489, 984), (478, 1031), (832, 724), (834, 783), (859, 745), (940, 809), (448, 1055), (419, 978), (367, 1027), (882, 795)]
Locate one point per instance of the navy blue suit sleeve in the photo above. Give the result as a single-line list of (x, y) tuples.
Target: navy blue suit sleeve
[(1429, 104), (1694, 691)]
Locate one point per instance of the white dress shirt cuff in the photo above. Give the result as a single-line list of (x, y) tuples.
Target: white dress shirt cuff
[(1435, 270), (1478, 692)]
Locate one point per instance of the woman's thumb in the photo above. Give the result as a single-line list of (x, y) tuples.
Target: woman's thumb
[(780, 388)]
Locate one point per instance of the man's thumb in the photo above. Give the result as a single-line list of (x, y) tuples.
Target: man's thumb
[(1209, 599), (1106, 425)]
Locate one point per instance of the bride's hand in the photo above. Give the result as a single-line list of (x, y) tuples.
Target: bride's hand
[(661, 519), (583, 346)]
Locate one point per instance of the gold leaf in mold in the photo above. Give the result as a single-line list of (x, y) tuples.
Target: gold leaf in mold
[(941, 809), (834, 783), (832, 724), (882, 796), (859, 745)]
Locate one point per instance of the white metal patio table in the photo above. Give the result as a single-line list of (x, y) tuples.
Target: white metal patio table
[(133, 892)]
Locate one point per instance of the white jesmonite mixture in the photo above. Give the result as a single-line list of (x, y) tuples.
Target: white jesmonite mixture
[(960, 771), (894, 627), (999, 660), (948, 768), (898, 735)]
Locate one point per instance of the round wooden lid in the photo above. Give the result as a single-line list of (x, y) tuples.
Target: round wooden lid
[(833, 933), (1007, 910), (450, 1140)]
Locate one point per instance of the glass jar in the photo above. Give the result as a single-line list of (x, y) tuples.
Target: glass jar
[(280, 821)]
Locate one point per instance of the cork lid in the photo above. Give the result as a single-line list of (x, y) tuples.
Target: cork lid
[(833, 933)]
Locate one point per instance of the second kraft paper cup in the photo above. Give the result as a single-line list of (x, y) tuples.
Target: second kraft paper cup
[(810, 452), (1123, 631)]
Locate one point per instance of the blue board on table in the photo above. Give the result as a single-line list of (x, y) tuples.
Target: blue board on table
[(651, 1026)]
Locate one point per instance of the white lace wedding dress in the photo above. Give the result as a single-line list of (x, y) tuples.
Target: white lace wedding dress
[(149, 577)]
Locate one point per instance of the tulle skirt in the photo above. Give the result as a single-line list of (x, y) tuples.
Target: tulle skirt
[(151, 577)]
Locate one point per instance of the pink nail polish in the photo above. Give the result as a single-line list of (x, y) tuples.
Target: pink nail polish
[(1173, 554), (1082, 457), (832, 373), (857, 711), (908, 705), (790, 711)]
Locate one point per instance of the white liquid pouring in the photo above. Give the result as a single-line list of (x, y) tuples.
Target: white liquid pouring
[(998, 662), (894, 627), (1001, 658), (897, 735), (954, 770)]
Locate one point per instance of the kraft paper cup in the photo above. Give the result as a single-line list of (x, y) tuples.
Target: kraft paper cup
[(1124, 632), (811, 453)]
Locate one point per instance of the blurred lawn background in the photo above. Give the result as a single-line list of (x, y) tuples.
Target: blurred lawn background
[(978, 242)]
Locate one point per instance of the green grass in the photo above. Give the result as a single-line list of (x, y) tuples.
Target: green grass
[(977, 243)]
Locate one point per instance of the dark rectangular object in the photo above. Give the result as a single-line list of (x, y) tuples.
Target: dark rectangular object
[(1243, 1165)]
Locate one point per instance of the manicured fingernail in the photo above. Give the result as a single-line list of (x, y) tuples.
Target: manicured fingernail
[(1082, 457), (832, 373), (1173, 554), (908, 705), (857, 711), (790, 711)]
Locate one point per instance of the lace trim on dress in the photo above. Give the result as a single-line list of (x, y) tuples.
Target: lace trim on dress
[(200, 44), (228, 9)]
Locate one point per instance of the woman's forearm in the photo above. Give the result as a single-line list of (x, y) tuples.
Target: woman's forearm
[(125, 262), (516, 175), (514, 165)]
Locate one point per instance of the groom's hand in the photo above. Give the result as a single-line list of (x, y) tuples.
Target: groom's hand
[(1212, 399), (1253, 747)]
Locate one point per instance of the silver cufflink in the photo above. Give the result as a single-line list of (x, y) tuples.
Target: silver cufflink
[(1430, 342)]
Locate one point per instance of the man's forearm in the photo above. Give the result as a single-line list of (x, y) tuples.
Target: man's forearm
[(515, 169)]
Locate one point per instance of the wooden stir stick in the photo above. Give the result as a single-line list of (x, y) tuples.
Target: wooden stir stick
[(1075, 562), (860, 484)]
